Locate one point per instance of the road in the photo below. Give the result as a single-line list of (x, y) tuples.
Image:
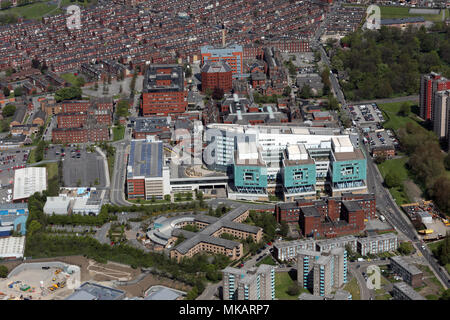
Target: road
[(384, 200), (388, 100), (117, 195)]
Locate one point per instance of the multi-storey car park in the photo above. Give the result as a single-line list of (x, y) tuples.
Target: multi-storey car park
[(147, 174)]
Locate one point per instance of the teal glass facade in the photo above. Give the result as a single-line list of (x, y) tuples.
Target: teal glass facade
[(298, 176), (348, 171), (250, 176)]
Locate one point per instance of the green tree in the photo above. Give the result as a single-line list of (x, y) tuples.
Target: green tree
[(167, 197), (6, 91), (406, 248), (8, 110), (287, 91), (333, 104), (447, 161), (393, 180), (293, 290), (69, 93), (80, 82), (33, 227), (404, 110), (18, 91), (3, 271), (445, 295), (6, 4), (191, 295), (305, 92)]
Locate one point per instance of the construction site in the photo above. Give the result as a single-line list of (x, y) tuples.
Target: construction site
[(40, 282), (430, 223), (56, 279)]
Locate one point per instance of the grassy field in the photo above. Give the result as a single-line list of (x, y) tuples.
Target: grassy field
[(353, 288), (118, 133), (432, 288), (388, 12), (70, 77), (267, 260), (32, 11), (433, 246), (395, 121), (398, 166), (282, 283), (52, 170), (32, 156)]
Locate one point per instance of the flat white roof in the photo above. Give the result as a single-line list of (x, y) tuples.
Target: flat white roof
[(298, 130), (27, 181), (12, 247), (342, 144), (57, 204), (297, 152), (247, 150)]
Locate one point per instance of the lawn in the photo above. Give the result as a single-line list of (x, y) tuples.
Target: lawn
[(32, 11), (65, 3), (282, 283), (32, 156), (267, 260), (111, 160), (353, 288), (118, 133), (388, 12), (398, 166), (395, 121), (52, 170), (70, 77), (433, 246)]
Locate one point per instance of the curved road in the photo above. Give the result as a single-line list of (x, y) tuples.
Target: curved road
[(385, 202)]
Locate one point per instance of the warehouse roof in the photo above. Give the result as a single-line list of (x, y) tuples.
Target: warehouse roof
[(27, 181), (56, 204), (12, 247), (89, 289)]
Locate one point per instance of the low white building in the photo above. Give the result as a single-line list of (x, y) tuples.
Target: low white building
[(12, 247), (58, 205), (87, 206), (425, 217)]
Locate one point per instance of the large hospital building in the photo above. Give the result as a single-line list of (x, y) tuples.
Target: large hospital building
[(300, 160)]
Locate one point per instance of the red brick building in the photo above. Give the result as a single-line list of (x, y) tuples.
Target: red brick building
[(163, 91), (80, 135), (71, 120), (217, 74), (429, 85), (75, 106), (329, 217)]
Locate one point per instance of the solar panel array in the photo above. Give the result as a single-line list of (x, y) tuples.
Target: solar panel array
[(146, 158)]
